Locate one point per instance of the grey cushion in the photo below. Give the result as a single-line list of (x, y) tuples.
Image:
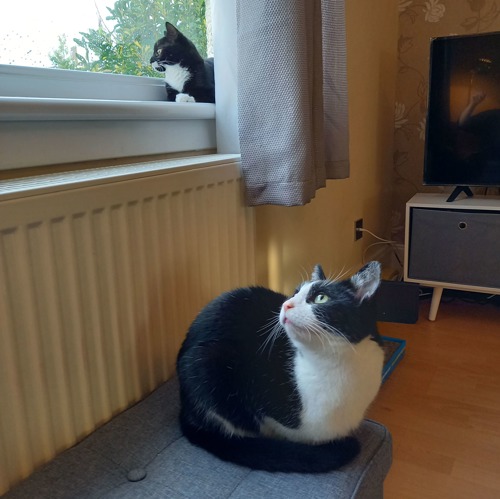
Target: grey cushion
[(146, 440)]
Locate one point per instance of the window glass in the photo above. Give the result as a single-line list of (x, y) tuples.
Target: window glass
[(95, 35)]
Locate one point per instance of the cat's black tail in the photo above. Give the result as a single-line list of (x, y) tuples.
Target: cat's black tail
[(274, 455)]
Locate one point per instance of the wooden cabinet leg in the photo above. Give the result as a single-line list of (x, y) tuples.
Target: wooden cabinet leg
[(436, 299)]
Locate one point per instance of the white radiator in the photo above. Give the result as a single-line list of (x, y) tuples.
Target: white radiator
[(100, 277)]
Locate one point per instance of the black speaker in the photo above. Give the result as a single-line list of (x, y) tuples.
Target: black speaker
[(455, 246), (397, 301)]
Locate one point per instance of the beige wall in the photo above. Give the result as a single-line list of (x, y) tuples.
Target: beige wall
[(291, 240)]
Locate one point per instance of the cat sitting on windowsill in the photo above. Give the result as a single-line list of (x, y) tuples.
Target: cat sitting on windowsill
[(281, 383), (188, 77)]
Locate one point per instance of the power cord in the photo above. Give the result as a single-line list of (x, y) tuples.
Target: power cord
[(381, 240)]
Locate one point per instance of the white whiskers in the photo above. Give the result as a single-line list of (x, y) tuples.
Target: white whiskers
[(273, 329), (337, 332), (340, 275), (327, 335)]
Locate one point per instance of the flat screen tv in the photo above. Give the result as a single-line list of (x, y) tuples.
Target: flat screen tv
[(462, 145)]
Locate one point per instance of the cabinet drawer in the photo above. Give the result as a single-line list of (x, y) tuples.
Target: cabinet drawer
[(455, 246)]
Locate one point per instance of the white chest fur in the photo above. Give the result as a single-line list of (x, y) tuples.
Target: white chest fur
[(177, 76), (335, 392)]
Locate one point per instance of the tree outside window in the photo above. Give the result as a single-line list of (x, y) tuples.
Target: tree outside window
[(124, 39)]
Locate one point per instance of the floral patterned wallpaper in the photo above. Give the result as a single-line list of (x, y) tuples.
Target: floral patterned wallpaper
[(419, 21)]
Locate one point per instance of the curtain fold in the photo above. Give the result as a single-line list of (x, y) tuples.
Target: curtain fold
[(292, 98)]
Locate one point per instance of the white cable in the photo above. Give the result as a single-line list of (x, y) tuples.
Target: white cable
[(375, 236), (381, 241), (368, 247)]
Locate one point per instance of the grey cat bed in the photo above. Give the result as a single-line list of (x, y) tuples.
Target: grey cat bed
[(141, 454)]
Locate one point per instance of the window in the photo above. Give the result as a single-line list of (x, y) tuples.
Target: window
[(49, 116), (112, 36)]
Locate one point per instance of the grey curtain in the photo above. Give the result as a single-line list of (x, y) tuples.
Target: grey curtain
[(292, 98)]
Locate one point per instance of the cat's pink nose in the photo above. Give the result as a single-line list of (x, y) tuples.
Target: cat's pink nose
[(287, 305)]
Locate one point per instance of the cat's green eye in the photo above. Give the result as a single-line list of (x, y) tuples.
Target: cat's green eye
[(158, 52), (321, 298)]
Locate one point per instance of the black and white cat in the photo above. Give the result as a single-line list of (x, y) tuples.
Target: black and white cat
[(280, 384), (188, 77)]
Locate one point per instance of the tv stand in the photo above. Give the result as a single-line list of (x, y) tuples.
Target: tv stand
[(459, 189), (454, 246)]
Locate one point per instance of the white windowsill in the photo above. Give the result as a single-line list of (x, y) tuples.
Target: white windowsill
[(51, 116), (56, 109), (24, 81)]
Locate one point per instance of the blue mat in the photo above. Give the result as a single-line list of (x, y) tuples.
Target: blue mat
[(395, 350)]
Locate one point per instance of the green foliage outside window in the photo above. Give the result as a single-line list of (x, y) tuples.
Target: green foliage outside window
[(126, 46)]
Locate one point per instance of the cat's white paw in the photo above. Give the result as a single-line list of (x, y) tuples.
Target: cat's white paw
[(184, 98)]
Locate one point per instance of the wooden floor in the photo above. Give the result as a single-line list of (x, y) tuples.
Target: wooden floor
[(442, 405)]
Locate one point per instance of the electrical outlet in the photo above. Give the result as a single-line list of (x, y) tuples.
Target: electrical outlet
[(358, 224)]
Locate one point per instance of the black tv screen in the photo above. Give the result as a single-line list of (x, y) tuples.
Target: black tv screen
[(462, 145)]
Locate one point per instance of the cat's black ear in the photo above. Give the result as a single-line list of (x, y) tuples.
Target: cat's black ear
[(318, 274), (367, 280), (171, 32)]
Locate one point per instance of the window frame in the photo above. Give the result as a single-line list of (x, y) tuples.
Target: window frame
[(53, 116)]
